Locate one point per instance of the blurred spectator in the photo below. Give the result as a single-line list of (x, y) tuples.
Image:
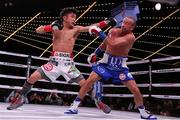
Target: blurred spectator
[(167, 108), (87, 102), (176, 111), (54, 98), (131, 106), (36, 99)]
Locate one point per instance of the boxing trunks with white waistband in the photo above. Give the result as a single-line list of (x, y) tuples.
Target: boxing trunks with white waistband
[(113, 69), (60, 63)]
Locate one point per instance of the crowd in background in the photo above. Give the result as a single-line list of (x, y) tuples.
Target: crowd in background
[(165, 107)]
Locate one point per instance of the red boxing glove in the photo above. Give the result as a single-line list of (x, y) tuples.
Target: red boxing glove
[(56, 25), (47, 28), (92, 59), (102, 24), (108, 22)]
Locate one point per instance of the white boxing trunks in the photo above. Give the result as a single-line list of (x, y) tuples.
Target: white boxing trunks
[(60, 63)]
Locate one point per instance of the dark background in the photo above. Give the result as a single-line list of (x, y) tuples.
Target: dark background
[(15, 13)]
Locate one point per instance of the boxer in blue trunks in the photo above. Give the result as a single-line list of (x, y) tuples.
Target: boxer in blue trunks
[(112, 67)]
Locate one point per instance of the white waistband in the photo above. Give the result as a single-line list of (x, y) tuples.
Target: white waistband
[(116, 60), (61, 54)]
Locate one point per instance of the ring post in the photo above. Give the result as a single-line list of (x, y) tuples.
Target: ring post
[(28, 66)]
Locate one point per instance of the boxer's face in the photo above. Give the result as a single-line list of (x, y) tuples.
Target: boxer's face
[(70, 19), (128, 24)]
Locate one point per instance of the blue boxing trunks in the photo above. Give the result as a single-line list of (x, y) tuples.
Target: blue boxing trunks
[(113, 69)]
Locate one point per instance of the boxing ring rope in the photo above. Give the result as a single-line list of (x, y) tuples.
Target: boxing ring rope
[(22, 26), (158, 23), (142, 35), (155, 26), (163, 47), (89, 44), (149, 72)]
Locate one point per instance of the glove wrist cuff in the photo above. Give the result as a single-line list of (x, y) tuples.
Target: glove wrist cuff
[(98, 51)]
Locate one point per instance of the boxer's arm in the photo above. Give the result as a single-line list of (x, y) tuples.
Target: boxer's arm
[(43, 29), (108, 22), (93, 56), (102, 24), (56, 25), (103, 45), (101, 48), (98, 32), (82, 28), (98, 51), (102, 36)]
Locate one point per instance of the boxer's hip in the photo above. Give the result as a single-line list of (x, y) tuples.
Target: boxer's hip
[(114, 62)]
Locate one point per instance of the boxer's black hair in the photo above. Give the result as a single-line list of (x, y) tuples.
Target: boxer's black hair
[(66, 11)]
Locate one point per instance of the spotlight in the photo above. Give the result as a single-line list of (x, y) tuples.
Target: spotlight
[(158, 6)]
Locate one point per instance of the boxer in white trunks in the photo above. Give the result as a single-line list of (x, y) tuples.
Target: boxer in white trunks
[(61, 62)]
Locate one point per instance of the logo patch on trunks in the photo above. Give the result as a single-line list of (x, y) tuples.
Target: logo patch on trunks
[(129, 75), (122, 76), (56, 54), (100, 69), (48, 66)]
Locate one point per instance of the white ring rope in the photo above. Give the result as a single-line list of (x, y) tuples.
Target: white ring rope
[(128, 63), (133, 73), (105, 95), (87, 65), (167, 96), (63, 82), (35, 57)]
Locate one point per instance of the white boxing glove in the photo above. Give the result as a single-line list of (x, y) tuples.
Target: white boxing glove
[(92, 59), (94, 30)]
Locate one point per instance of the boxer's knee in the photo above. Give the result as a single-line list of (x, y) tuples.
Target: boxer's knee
[(34, 77), (81, 82), (135, 90), (132, 86)]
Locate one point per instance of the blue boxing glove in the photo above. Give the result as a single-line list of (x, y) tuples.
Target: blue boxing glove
[(97, 31)]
